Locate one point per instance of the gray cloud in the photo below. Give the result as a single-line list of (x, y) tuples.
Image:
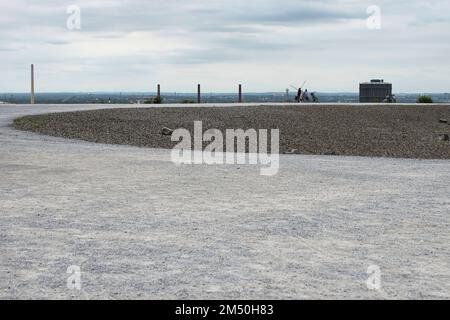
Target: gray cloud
[(324, 39)]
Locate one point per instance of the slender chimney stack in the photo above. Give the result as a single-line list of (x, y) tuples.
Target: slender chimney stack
[(240, 93), (32, 84), (198, 94), (159, 91)]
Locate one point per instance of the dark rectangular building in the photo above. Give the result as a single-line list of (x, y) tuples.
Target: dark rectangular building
[(374, 91)]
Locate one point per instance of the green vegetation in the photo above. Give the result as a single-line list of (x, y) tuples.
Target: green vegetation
[(157, 100), (187, 101), (154, 100), (424, 99)]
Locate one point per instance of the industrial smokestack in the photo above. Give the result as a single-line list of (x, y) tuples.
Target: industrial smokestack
[(240, 93), (32, 84)]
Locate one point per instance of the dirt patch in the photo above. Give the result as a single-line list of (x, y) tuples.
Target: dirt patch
[(386, 131)]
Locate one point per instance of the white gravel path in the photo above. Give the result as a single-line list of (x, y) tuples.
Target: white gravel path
[(140, 227)]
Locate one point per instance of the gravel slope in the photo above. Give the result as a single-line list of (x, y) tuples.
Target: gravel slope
[(140, 227), (393, 131)]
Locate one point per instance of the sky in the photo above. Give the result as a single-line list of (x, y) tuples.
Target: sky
[(266, 45)]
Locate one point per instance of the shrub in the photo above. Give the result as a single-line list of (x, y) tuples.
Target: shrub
[(157, 100), (425, 99), (154, 100)]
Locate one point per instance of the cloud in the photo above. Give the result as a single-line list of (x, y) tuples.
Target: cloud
[(137, 42)]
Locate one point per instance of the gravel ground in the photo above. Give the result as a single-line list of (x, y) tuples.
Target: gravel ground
[(140, 227), (410, 131)]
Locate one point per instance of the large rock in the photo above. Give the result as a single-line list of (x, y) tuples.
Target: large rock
[(166, 131), (291, 151)]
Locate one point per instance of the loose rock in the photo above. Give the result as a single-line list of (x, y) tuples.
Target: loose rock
[(166, 131)]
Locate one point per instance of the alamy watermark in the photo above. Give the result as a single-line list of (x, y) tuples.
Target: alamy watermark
[(74, 19), (74, 279), (374, 280), (237, 141), (373, 22)]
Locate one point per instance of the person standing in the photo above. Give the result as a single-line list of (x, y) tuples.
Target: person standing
[(306, 97), (299, 95)]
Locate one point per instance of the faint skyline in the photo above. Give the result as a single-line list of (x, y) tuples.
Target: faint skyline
[(130, 45)]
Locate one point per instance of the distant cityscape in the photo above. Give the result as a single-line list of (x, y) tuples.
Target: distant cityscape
[(168, 98)]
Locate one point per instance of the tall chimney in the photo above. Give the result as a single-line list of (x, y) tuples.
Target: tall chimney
[(240, 93), (32, 84)]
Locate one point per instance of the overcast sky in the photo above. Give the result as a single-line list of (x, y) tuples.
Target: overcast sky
[(130, 45)]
